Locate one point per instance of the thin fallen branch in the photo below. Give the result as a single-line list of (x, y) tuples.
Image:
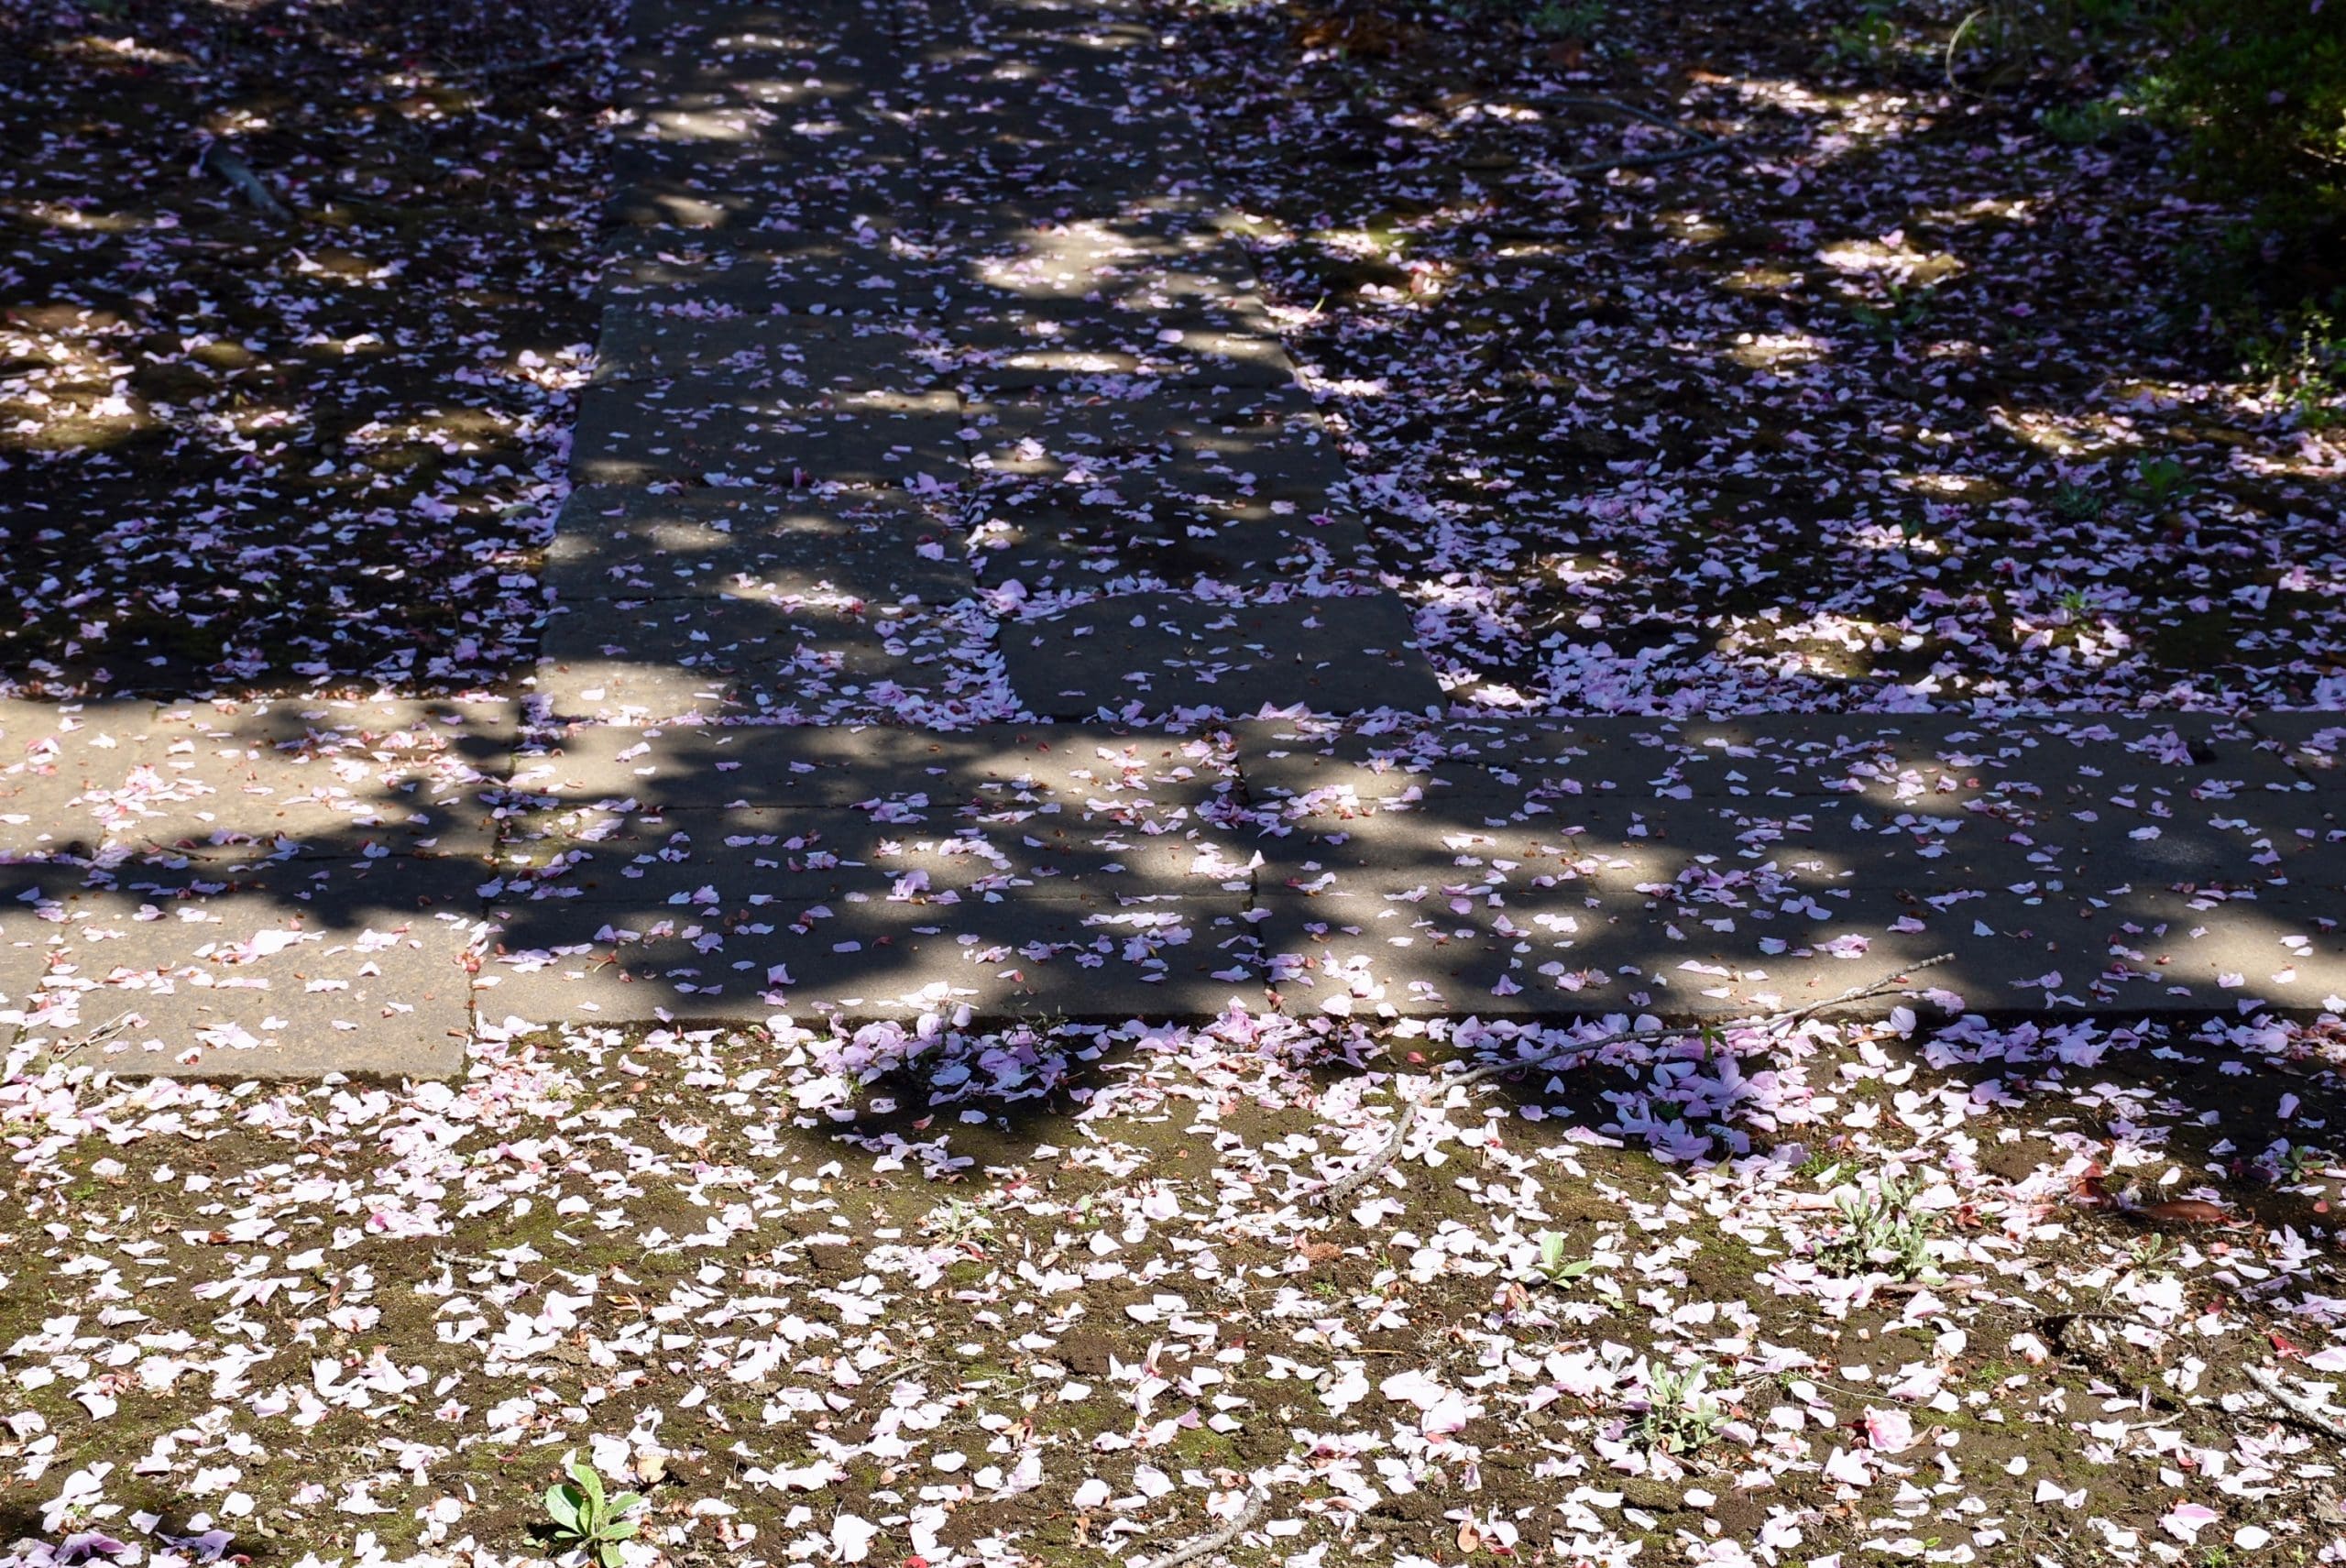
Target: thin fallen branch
[(2320, 1417), (107, 1031), (1698, 143), (1955, 42), (247, 184), (1258, 1497), (507, 67), (1405, 1119)]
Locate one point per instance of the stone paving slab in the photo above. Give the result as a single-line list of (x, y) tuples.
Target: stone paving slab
[(743, 109), (821, 270), (1706, 853), (1126, 464), (1102, 314), (314, 778), (2313, 744), (792, 29), (2145, 862), (881, 553), (733, 861), (1924, 761), (275, 969), (840, 150), (693, 210), (1266, 444), (1180, 250), (1193, 368), (1082, 534), (1177, 356), (1189, 226), (691, 430), (1155, 653), (626, 660), (2153, 952), (697, 60), (800, 357), (1077, 957), (904, 776), (1119, 266)]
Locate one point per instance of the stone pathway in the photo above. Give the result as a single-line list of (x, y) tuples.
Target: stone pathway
[(939, 425), (300, 887), (933, 389)]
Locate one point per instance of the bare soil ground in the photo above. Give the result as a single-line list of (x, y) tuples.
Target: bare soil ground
[(1961, 1294)]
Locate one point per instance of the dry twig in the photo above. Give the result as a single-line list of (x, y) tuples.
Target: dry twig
[(105, 1031), (2305, 1411), (1258, 1497), (1695, 147), (507, 67)]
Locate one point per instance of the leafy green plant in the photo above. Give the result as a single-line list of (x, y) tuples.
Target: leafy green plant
[(2078, 503), (1901, 312), (1554, 1266), (2161, 482), (2260, 87), (1581, 20), (582, 1519), (1873, 39), (1999, 41), (2151, 1256), (2306, 365), (1885, 1230), (958, 1222), (2079, 125), (1680, 1415), (2294, 1162)]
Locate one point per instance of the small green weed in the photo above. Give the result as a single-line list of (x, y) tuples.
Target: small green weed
[(958, 1222), (1883, 1231), (2295, 1163), (2161, 482), (1871, 40), (1554, 1266), (2082, 124), (583, 1520), (1583, 19), (1902, 312), (2151, 1256), (2307, 368), (1680, 1415), (2078, 503)]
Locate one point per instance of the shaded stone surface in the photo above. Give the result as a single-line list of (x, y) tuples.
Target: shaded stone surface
[(696, 431), (1131, 532), (898, 774), (632, 544), (979, 412), (775, 655), (1078, 957), (314, 778), (1155, 653), (801, 357)]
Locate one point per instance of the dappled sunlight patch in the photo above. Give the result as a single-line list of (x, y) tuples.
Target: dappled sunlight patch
[(1890, 354), (212, 492)]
